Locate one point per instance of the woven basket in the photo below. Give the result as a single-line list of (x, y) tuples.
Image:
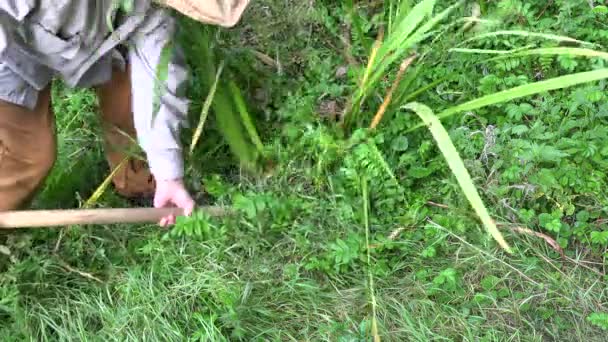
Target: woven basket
[(225, 13)]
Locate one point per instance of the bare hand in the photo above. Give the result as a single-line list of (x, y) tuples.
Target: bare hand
[(172, 193)]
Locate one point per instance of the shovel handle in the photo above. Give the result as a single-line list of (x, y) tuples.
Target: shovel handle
[(55, 218)]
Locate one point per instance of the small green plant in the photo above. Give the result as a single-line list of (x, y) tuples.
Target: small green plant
[(407, 28), (199, 225), (599, 319), (314, 253)]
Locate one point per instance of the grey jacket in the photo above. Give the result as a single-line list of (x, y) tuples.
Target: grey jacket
[(71, 40)]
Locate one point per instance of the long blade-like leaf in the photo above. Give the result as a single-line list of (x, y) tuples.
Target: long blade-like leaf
[(487, 51), (408, 20), (403, 46), (557, 51), (365, 194), (458, 169), (406, 26), (245, 117), (230, 126), (205, 111), (533, 52), (528, 34), (527, 90), (101, 189), (424, 29), (401, 10)]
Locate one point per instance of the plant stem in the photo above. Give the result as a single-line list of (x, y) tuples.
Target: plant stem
[(387, 100), (365, 194)]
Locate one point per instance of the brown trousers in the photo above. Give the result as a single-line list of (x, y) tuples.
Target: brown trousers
[(28, 144)]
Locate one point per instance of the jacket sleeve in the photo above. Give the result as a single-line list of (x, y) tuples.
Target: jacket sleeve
[(159, 138)]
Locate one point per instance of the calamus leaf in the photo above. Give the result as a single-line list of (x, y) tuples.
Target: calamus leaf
[(458, 169)]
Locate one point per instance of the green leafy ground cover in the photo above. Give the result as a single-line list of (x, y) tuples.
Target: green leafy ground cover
[(353, 233)]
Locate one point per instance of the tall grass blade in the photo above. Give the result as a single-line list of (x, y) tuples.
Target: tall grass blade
[(423, 89), (486, 51), (399, 47), (103, 187), (403, 7), (228, 106), (527, 90), (422, 32), (355, 105), (458, 169), (372, 58), (245, 117), (527, 34), (397, 44), (392, 8), (205, 111), (556, 51), (365, 194), (406, 24), (231, 128)]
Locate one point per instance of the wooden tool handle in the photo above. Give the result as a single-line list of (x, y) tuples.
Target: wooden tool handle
[(54, 218)]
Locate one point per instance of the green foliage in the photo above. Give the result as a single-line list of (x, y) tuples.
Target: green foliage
[(457, 166), (408, 28), (231, 116), (197, 226), (162, 73), (599, 319), (352, 236)]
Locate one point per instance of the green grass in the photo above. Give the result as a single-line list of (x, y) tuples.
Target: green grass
[(317, 254)]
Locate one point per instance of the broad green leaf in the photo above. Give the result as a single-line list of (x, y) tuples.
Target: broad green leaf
[(5, 250), (400, 143), (599, 319), (600, 9), (456, 164), (599, 237)]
